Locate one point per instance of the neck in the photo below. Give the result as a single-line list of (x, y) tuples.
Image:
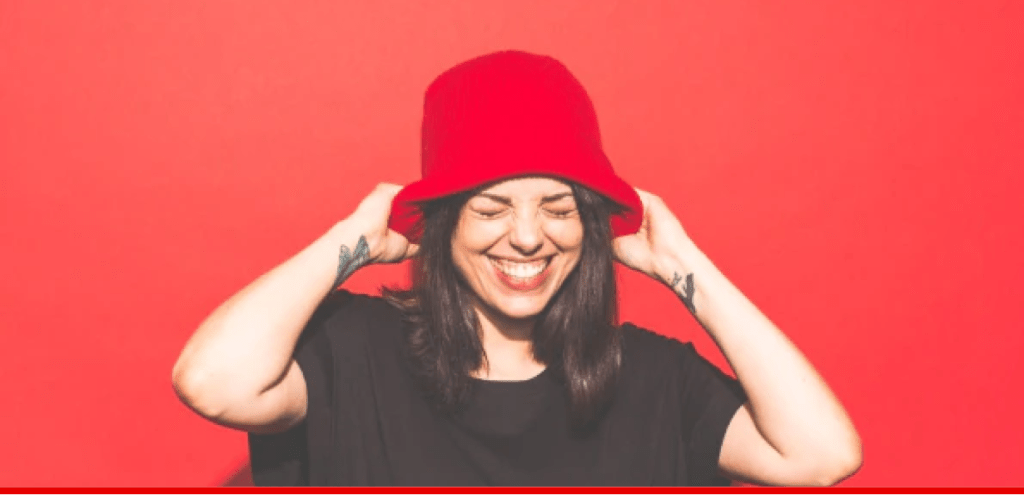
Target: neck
[(508, 346)]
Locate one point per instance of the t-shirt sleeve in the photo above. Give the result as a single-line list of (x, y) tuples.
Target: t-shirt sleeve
[(710, 399), (282, 459)]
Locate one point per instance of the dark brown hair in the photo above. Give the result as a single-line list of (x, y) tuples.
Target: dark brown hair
[(575, 334)]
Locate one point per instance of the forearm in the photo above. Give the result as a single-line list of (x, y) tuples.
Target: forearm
[(791, 404), (245, 346)]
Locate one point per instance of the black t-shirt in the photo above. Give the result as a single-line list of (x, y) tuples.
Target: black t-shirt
[(367, 423)]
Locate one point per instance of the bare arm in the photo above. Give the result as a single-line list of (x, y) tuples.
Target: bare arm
[(237, 368), (793, 430)]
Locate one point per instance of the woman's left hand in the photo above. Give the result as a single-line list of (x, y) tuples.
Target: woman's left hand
[(795, 411), (659, 239)]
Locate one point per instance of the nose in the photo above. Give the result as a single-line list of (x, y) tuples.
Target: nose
[(526, 236)]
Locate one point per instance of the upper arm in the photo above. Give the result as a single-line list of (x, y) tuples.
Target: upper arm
[(275, 410), (284, 405), (747, 456)]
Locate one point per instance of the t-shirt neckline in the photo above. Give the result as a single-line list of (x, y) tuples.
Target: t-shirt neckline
[(511, 383)]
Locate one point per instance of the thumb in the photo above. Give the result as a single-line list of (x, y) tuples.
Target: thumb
[(412, 250)]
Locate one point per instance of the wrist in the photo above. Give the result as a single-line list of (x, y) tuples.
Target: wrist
[(351, 234), (682, 258), (350, 250), (341, 234)]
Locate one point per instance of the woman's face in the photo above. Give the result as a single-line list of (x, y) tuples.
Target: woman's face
[(516, 242)]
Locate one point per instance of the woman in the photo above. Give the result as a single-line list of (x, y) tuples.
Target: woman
[(503, 364)]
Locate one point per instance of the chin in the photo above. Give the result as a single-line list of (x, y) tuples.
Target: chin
[(518, 308)]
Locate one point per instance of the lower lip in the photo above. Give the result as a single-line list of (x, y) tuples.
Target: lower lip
[(519, 284)]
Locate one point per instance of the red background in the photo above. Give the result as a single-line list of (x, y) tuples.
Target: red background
[(852, 166)]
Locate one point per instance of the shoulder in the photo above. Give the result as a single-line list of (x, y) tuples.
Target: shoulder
[(649, 357), (342, 305), (642, 344), (348, 317), (647, 350)]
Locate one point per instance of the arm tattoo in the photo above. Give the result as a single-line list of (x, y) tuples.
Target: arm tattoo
[(685, 291), (350, 261)]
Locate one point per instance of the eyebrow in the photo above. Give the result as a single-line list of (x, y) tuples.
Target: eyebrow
[(508, 201)]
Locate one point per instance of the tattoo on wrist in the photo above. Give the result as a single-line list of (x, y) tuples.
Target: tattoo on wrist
[(685, 290), (349, 261)]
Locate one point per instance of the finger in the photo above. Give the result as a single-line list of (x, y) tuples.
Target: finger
[(388, 188), (645, 197), (412, 250), (622, 246)]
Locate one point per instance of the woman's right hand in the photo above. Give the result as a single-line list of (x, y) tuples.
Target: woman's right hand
[(371, 219), (237, 369)]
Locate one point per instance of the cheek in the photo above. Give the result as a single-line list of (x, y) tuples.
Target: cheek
[(568, 236), (473, 237), (470, 241)]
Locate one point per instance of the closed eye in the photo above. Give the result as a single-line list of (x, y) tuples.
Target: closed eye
[(489, 213), (561, 212)]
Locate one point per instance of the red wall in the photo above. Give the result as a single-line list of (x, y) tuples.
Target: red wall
[(853, 166)]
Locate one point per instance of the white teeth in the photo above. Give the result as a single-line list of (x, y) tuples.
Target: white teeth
[(521, 270)]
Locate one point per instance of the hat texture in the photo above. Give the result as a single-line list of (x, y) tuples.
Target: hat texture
[(510, 114)]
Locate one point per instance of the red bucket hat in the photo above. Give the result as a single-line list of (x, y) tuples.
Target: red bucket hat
[(510, 114)]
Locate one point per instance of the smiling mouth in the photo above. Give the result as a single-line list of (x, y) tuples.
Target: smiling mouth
[(521, 276)]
